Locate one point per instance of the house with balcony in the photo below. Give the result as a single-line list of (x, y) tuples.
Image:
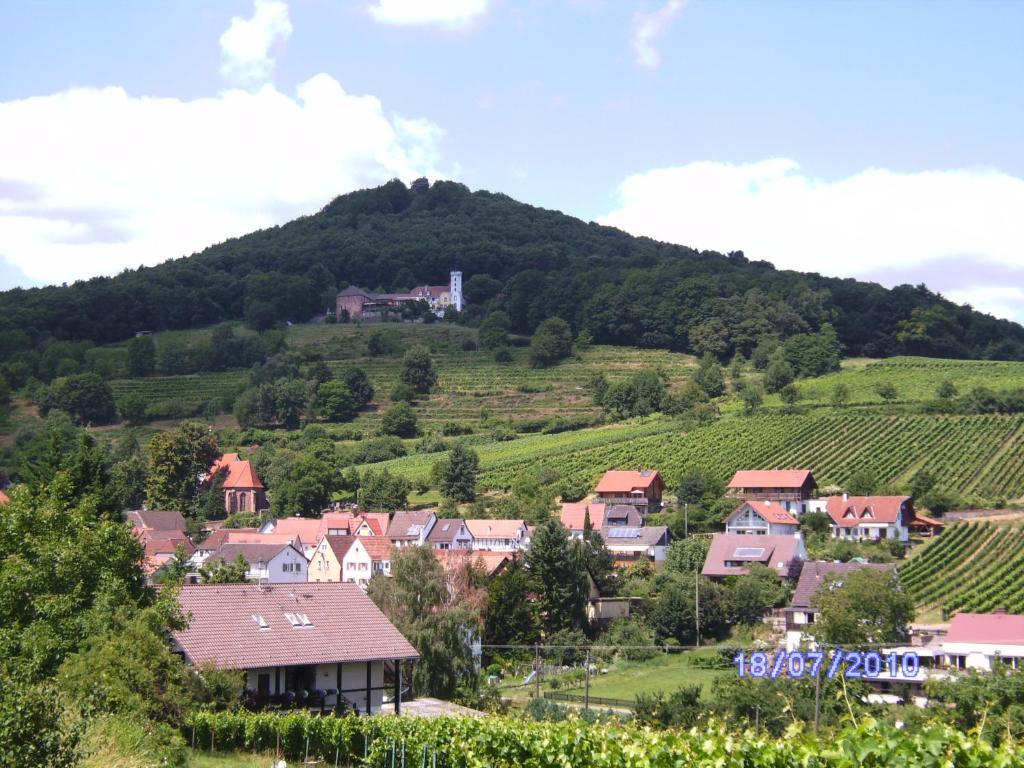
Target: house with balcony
[(641, 489), (498, 535), (759, 518), (792, 489), (628, 545), (324, 646)]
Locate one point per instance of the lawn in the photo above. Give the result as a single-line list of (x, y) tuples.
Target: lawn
[(229, 760), (665, 672)]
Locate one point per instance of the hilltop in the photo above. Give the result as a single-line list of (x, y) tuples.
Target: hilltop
[(530, 262)]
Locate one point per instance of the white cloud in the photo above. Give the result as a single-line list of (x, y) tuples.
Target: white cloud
[(648, 28), (445, 13), (96, 180), (245, 45), (875, 221), (999, 300)]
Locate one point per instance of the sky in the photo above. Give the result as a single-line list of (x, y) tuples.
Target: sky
[(881, 140)]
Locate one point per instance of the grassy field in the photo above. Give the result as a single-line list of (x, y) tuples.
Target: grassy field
[(229, 760), (664, 673)]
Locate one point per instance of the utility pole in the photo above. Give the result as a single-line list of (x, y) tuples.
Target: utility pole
[(586, 694), (536, 671), (686, 519), (696, 603)]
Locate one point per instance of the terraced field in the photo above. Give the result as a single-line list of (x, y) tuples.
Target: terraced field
[(967, 454), (198, 387), (975, 567)]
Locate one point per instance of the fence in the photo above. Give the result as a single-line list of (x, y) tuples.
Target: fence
[(598, 701)]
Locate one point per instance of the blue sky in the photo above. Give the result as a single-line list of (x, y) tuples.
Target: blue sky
[(871, 139)]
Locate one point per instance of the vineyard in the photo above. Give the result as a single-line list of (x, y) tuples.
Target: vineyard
[(498, 742), (916, 379), (981, 455), (974, 567)]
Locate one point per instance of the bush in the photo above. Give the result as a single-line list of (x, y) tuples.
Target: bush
[(503, 355), (400, 421), (551, 343)]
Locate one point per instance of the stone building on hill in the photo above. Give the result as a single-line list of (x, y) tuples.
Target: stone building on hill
[(360, 304)]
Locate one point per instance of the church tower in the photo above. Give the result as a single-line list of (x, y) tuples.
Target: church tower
[(455, 290)]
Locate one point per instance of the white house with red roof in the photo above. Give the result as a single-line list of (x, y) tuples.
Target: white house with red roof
[(870, 518), (977, 640), (791, 488), (761, 518), (641, 489)]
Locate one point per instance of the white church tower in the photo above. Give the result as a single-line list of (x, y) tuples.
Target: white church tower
[(455, 290)]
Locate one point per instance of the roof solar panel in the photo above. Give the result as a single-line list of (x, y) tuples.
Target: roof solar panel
[(623, 533)]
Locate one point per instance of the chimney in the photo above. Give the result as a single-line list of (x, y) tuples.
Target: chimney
[(846, 496)]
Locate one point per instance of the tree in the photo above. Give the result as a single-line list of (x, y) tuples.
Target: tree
[(418, 369), (790, 395), (177, 459), (85, 397), (225, 571), (382, 491), (399, 420), (840, 395), (753, 595), (686, 555), (921, 484), (551, 343), (558, 578), (862, 607), (886, 390), (710, 377), (752, 395), (946, 390), (290, 399), (358, 384), (141, 356), (778, 374), (494, 331), (510, 618), (336, 402), (862, 483), (133, 409), (816, 523), (458, 476), (693, 486), (300, 483), (597, 560)]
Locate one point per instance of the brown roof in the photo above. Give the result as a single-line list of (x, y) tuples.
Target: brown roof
[(445, 530), (157, 519), (165, 546), (340, 545), (813, 575), (771, 478), (491, 562), (217, 539), (620, 481), (403, 525), (344, 626), (986, 628), (925, 520), (378, 548), (777, 552), (253, 553), (495, 529), (851, 511), (620, 537), (771, 513)]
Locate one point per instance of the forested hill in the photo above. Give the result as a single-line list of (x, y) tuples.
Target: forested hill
[(533, 263)]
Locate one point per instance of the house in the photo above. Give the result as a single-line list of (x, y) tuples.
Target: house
[(604, 610), (870, 517), (641, 489), (268, 563), (359, 304), (492, 563), (312, 529), (976, 640), (450, 534), (801, 614), (498, 535), (351, 559), (243, 489), (325, 644), (601, 515), (761, 517), (156, 520), (731, 554), (791, 488), (218, 539), (627, 544), (161, 551), (410, 528)]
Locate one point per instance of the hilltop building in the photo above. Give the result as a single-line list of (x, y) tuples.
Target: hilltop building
[(360, 304)]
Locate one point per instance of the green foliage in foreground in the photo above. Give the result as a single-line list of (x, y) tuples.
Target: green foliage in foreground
[(496, 742)]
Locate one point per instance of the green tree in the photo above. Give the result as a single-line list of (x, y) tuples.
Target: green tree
[(752, 395), (558, 578), (921, 483), (886, 390), (840, 395), (753, 595), (418, 369), (946, 390), (778, 374), (494, 331), (862, 607), (300, 483), (693, 486), (382, 491), (290, 399), (358, 384), (458, 476), (336, 402), (816, 523), (510, 618), (551, 343), (709, 377), (790, 395), (399, 420), (686, 555), (133, 409), (85, 397), (862, 483), (141, 356), (710, 338), (177, 459), (224, 571)]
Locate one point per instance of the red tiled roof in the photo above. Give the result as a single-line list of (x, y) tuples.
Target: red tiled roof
[(989, 628), (378, 548), (851, 511), (574, 515), (167, 546), (624, 481), (772, 513), (919, 518), (813, 575), (4, 498), (491, 562), (345, 626), (217, 539), (242, 475), (225, 461), (770, 478), (495, 529), (777, 552)]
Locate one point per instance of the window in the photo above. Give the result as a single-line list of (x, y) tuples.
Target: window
[(284, 567)]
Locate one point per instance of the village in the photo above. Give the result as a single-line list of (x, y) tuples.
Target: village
[(301, 626)]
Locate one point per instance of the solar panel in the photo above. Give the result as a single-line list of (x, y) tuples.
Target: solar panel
[(749, 552), (623, 533)]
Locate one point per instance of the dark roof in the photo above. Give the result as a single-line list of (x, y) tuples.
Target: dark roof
[(623, 536), (353, 291), (777, 552), (344, 626), (813, 575), (157, 519), (403, 524), (445, 530), (253, 553)]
